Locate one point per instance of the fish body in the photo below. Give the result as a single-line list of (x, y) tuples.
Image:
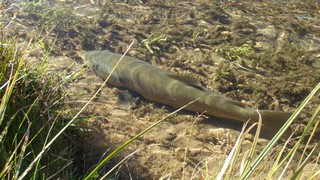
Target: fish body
[(171, 89)]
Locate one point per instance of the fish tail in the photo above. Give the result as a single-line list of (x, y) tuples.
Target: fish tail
[(273, 121)]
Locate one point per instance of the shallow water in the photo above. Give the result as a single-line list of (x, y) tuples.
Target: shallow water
[(265, 54)]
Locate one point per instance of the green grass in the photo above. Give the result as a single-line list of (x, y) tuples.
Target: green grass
[(30, 116), (153, 39), (282, 160)]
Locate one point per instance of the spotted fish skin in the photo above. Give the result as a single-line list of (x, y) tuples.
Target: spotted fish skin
[(170, 89)]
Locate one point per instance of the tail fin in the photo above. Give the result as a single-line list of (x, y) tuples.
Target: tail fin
[(273, 121)]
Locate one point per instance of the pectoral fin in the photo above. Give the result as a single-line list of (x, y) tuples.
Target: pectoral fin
[(126, 99)]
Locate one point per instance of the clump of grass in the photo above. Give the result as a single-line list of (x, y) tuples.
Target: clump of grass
[(251, 166), (29, 117), (151, 40)]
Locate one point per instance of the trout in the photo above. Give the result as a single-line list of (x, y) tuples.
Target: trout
[(171, 89)]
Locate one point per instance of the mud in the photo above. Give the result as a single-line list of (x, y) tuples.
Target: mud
[(265, 54)]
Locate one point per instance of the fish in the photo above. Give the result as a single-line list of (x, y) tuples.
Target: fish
[(172, 89)]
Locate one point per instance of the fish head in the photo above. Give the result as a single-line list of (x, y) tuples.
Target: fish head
[(103, 63)]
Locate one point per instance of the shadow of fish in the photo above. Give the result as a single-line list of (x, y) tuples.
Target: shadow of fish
[(175, 90)]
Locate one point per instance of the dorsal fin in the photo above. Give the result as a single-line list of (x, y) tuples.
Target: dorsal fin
[(189, 80), (183, 78)]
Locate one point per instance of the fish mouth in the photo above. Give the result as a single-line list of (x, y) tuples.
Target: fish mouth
[(83, 54), (87, 60)]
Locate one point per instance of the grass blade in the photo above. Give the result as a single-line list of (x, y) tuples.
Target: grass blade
[(279, 134), (231, 155), (94, 172), (31, 165)]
